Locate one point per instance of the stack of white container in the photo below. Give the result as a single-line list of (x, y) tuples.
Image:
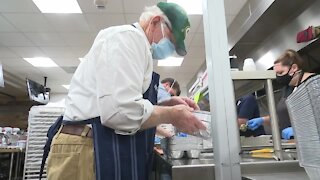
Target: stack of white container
[(304, 109), (39, 121)]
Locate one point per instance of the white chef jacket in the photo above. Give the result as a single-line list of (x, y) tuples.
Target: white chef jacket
[(111, 80)]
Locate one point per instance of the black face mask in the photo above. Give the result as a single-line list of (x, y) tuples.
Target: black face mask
[(284, 79)]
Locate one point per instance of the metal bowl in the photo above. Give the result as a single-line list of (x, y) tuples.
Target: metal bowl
[(177, 154), (193, 154)]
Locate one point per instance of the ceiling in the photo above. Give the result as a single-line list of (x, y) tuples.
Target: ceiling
[(26, 32), (275, 31), (254, 28)]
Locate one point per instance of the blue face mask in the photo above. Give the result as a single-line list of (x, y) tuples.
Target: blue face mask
[(163, 49)]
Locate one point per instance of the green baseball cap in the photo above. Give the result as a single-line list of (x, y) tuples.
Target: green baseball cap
[(179, 22)]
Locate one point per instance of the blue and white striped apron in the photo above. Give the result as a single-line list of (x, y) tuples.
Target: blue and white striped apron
[(118, 157)]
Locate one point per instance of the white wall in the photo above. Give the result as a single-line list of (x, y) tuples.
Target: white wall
[(183, 91), (57, 100), (57, 97)]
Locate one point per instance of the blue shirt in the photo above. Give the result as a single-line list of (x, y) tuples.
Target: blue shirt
[(247, 108)]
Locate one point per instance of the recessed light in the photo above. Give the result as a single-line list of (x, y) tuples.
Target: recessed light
[(171, 61), (191, 6), (58, 6), (41, 62), (67, 86)]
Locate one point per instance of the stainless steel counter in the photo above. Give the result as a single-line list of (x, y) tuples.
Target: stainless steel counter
[(251, 168)]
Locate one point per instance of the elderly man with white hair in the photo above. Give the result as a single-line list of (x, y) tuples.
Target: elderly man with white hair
[(107, 130)]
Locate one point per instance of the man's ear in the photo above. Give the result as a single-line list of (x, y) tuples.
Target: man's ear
[(154, 22), (166, 84)]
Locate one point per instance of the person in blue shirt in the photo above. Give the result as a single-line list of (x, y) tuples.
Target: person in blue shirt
[(167, 89), (247, 108)]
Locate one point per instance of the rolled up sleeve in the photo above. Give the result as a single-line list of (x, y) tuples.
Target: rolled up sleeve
[(121, 74)]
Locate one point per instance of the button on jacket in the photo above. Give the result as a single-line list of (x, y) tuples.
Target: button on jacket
[(111, 80)]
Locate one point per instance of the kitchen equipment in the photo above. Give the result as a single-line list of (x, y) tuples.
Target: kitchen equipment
[(258, 141), (39, 120), (22, 144), (8, 130), (249, 65), (174, 147), (193, 154), (303, 107), (205, 117)]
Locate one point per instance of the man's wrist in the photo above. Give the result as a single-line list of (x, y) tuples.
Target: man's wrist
[(165, 115)]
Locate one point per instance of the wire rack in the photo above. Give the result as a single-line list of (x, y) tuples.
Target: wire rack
[(39, 121), (304, 110)]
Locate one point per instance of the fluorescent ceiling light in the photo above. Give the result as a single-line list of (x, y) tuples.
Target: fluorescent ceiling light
[(67, 86), (171, 61), (58, 6), (41, 62), (266, 61), (191, 6)]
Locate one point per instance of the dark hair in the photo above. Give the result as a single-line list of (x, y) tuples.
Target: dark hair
[(175, 85), (290, 57)]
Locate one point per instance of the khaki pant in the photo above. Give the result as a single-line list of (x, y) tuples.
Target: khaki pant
[(71, 158)]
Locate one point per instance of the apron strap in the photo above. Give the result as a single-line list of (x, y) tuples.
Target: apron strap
[(85, 131)]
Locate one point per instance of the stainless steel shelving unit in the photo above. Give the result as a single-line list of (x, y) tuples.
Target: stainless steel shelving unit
[(222, 97), (246, 82), (249, 81), (225, 132)]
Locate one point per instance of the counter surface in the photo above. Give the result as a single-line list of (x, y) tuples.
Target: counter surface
[(252, 168), (9, 149)]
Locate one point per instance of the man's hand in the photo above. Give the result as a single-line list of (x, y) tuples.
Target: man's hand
[(180, 100), (183, 119)]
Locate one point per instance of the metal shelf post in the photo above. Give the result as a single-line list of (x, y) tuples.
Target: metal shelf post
[(225, 131)]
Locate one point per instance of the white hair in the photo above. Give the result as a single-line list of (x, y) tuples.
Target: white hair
[(152, 11)]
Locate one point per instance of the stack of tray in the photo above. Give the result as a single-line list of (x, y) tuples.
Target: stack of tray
[(304, 110), (39, 121)]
